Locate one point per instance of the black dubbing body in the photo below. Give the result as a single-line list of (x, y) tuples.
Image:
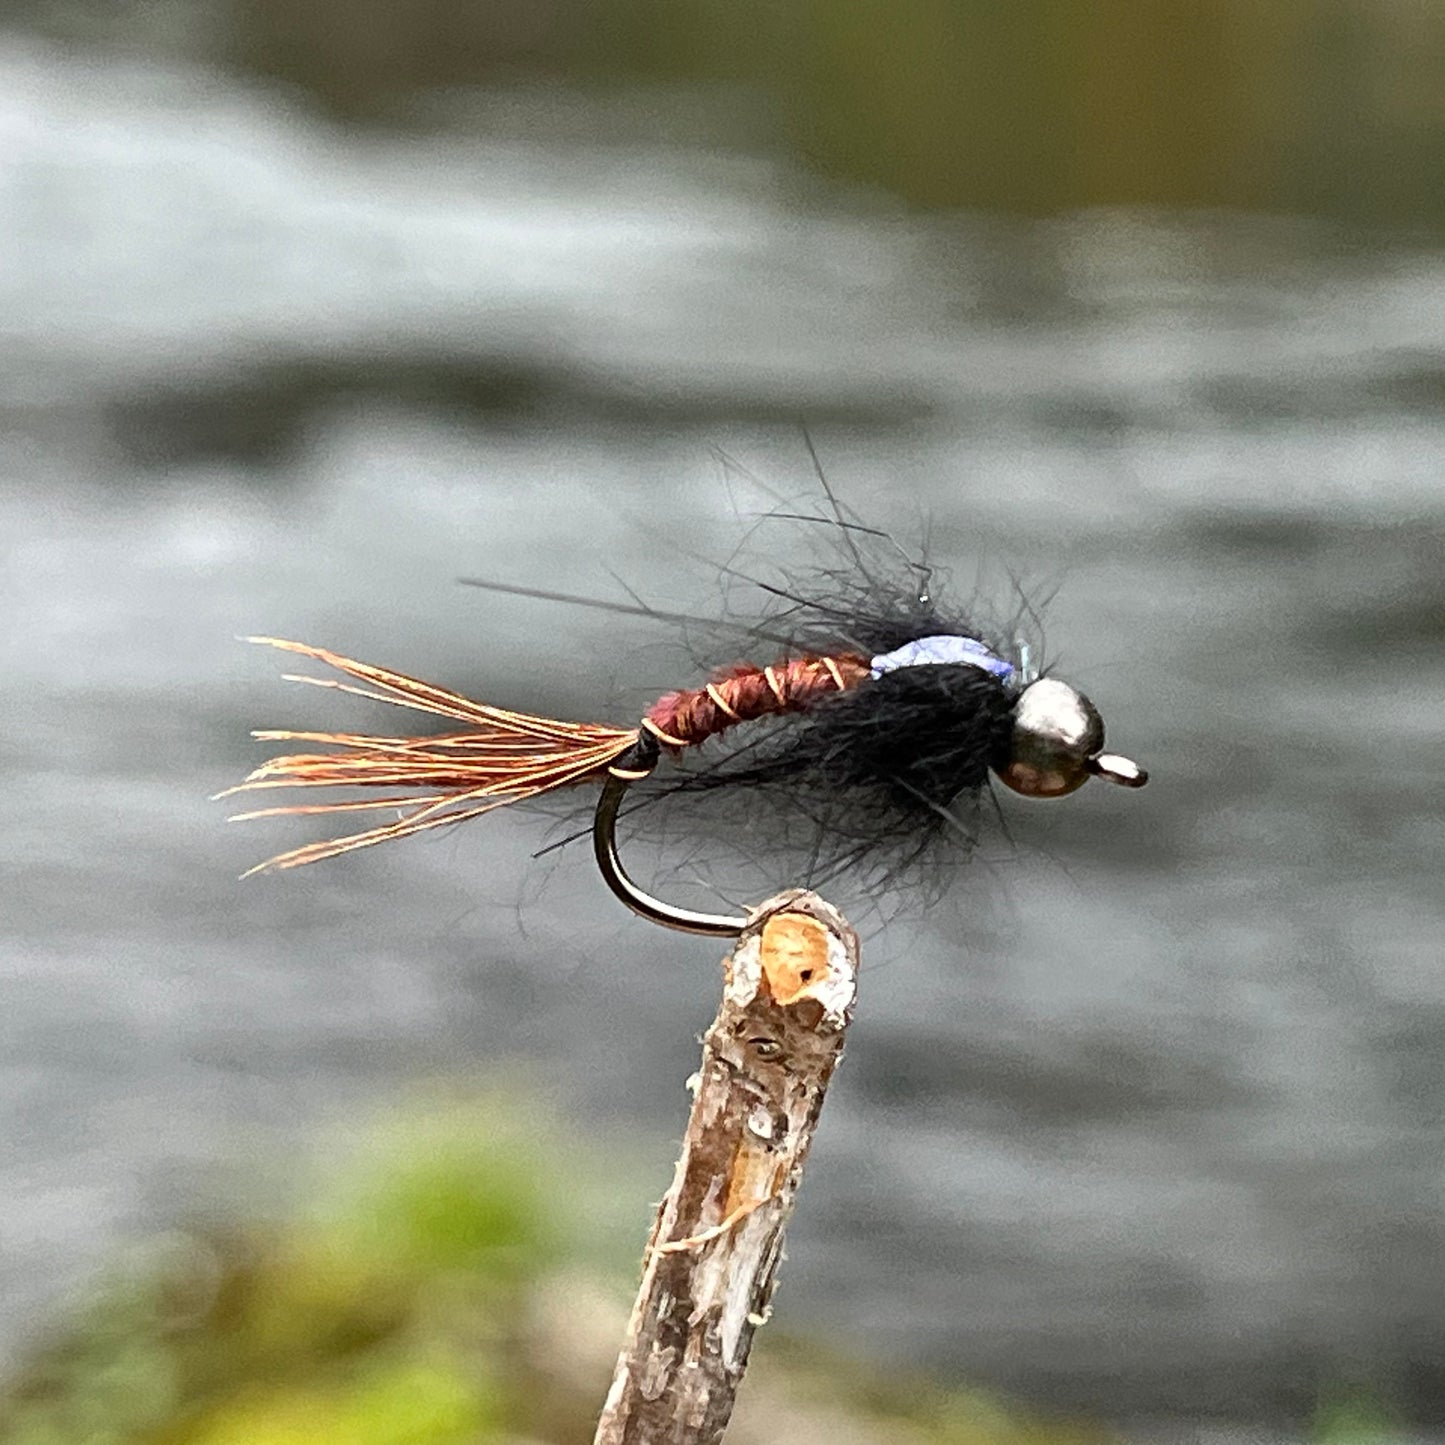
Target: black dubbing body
[(883, 779), (872, 778), (920, 735)]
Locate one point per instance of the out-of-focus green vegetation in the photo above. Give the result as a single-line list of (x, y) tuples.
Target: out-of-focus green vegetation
[(1355, 1417), (446, 1286), (1333, 107)]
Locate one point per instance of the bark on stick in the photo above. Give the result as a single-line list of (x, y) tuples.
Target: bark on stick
[(707, 1277)]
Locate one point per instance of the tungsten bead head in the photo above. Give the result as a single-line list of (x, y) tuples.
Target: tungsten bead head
[(1057, 744)]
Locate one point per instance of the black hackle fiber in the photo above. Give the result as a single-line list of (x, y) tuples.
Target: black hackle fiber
[(872, 779), (883, 781)]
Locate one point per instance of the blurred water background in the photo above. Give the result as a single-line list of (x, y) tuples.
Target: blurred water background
[(310, 310)]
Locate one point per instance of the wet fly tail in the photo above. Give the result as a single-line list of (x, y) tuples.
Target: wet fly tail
[(495, 758)]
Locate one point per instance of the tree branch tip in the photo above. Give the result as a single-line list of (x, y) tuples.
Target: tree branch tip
[(789, 986)]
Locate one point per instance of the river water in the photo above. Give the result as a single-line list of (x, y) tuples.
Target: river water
[(1145, 1118)]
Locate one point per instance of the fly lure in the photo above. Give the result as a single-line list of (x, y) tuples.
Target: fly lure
[(884, 715)]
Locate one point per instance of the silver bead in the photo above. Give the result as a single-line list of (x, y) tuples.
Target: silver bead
[(1057, 744)]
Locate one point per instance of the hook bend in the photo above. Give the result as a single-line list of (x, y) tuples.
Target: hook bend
[(634, 765)]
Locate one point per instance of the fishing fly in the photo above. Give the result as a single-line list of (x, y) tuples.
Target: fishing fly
[(876, 712)]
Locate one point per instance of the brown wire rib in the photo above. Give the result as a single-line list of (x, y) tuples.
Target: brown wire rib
[(745, 692)]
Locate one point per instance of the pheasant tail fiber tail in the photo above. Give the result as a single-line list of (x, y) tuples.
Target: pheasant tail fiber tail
[(497, 757)]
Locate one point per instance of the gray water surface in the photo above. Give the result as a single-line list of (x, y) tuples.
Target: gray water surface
[(1145, 1119)]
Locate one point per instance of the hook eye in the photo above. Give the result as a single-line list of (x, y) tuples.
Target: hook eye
[(628, 769), (1115, 769)]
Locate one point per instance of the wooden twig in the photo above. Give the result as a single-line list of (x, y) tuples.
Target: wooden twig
[(707, 1276)]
